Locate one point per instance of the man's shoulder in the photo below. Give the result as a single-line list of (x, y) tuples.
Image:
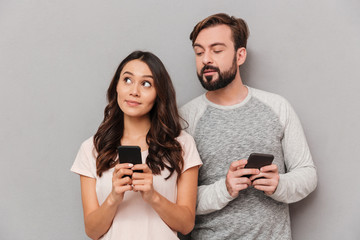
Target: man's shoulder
[(191, 112), (273, 100), (280, 105), (194, 103), (267, 96), (193, 107)]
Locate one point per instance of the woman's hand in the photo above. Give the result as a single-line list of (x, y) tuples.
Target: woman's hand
[(179, 216), (121, 184), (143, 182)]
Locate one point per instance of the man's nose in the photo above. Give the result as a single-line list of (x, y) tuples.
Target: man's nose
[(207, 59)]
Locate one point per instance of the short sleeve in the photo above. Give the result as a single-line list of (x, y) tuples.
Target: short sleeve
[(85, 161), (191, 155)]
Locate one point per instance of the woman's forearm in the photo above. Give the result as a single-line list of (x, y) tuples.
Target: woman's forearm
[(98, 219), (177, 217), (98, 222)]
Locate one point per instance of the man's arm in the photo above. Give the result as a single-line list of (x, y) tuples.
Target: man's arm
[(301, 178), (212, 197), (215, 196)]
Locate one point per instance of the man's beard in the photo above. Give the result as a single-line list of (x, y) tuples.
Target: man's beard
[(224, 78)]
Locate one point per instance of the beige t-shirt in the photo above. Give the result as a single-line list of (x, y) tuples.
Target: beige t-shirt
[(135, 219)]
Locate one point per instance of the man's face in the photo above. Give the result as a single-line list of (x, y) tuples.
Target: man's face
[(216, 60)]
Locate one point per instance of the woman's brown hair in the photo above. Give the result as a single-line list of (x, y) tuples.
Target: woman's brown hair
[(164, 150)]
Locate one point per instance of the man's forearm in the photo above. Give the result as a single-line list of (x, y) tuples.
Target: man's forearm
[(212, 197)]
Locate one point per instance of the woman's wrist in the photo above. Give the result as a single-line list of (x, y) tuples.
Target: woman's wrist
[(155, 199), (111, 201)]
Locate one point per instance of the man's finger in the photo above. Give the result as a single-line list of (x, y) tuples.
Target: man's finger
[(237, 165)]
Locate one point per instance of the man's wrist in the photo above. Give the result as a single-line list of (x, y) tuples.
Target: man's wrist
[(226, 191)]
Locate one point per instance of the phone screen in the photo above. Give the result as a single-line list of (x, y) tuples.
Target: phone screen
[(130, 154)]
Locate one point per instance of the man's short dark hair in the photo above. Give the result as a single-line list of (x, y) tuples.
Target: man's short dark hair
[(238, 26)]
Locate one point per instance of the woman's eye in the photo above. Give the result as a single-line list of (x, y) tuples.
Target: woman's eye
[(146, 84), (127, 80)]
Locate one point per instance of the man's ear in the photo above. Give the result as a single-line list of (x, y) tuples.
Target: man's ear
[(241, 56)]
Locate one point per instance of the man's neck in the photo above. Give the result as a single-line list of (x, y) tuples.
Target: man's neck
[(232, 94)]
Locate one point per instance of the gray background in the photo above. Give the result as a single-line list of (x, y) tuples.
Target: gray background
[(57, 58)]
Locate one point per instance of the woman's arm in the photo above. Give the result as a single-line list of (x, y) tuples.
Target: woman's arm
[(98, 219), (179, 216)]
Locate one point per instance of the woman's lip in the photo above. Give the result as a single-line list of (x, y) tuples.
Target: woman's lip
[(132, 103)]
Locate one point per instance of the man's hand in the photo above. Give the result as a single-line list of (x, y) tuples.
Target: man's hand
[(235, 182), (268, 179)]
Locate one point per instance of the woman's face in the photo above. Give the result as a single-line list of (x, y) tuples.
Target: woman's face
[(136, 92)]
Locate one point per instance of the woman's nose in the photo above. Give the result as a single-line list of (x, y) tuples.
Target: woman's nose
[(135, 90)]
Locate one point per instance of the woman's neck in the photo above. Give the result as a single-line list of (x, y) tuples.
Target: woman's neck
[(135, 131)]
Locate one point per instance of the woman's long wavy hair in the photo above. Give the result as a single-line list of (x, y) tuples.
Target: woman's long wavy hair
[(164, 150)]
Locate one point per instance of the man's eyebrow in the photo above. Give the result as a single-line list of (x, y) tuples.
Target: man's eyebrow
[(212, 45), (218, 44), (197, 45)]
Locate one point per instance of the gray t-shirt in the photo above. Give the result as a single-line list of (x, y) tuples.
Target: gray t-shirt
[(263, 123)]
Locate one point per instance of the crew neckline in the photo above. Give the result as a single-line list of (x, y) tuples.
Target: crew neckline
[(247, 98)]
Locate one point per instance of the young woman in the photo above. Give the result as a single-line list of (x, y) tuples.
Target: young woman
[(159, 201)]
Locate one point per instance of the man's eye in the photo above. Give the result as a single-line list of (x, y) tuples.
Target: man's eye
[(146, 84), (218, 51), (198, 53)]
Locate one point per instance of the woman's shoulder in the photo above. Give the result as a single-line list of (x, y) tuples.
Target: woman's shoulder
[(191, 155), (85, 161), (187, 142), (184, 137), (88, 148), (88, 144)]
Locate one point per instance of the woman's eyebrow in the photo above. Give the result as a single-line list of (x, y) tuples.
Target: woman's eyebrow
[(130, 73)]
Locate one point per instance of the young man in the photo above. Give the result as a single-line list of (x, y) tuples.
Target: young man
[(231, 121)]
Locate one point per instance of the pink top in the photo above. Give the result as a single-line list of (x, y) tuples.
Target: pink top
[(135, 219)]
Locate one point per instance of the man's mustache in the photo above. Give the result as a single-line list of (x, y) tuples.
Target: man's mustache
[(207, 67)]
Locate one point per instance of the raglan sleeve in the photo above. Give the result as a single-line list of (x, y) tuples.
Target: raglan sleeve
[(300, 178), (213, 197)]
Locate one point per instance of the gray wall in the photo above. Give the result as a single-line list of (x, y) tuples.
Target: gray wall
[(57, 58)]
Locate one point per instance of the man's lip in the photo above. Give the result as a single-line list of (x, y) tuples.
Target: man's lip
[(207, 72)]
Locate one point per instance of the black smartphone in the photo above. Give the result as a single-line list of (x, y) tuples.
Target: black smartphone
[(259, 160), (130, 154)]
